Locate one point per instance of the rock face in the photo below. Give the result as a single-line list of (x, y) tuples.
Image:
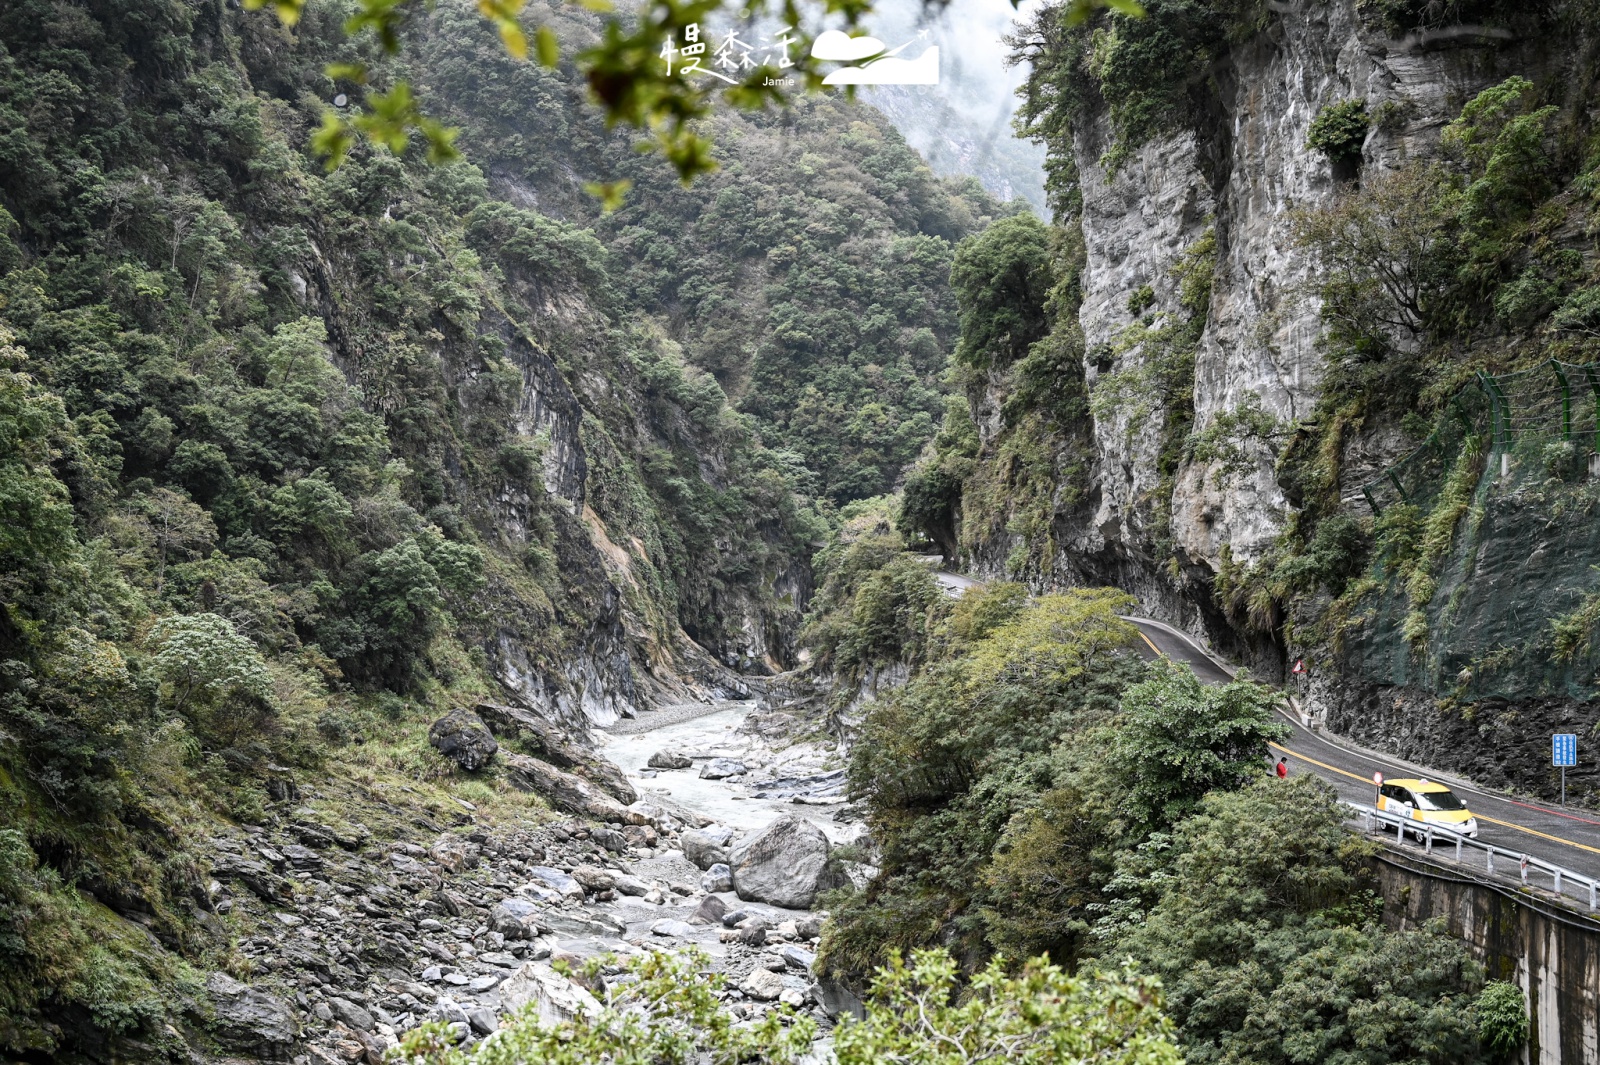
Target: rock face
[(463, 736), (1226, 188), (564, 791), (251, 1020), (545, 741), (785, 864)]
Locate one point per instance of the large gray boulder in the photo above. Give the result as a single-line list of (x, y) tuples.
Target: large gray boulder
[(706, 847), (253, 1021), (669, 760), (555, 998), (785, 864), (463, 736)]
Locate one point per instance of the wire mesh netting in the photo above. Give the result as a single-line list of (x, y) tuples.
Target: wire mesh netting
[(1544, 421)]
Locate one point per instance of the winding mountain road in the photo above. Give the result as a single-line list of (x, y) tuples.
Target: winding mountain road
[(1569, 838)]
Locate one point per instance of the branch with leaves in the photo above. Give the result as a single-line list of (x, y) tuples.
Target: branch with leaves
[(624, 71)]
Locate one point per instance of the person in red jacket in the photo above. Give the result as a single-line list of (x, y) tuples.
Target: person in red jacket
[(1283, 768)]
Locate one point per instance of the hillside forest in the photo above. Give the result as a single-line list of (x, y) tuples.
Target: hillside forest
[(360, 376)]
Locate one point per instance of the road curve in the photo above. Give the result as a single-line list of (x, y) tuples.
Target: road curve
[(1569, 838)]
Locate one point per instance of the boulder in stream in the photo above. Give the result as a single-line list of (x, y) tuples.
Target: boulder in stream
[(785, 864), (706, 847), (722, 769), (669, 759)]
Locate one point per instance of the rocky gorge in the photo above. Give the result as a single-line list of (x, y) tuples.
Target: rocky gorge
[(354, 917)]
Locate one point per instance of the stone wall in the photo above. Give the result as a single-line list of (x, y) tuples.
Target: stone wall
[(1551, 952)]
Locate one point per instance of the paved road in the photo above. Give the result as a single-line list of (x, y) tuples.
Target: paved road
[(1567, 838), (954, 584)]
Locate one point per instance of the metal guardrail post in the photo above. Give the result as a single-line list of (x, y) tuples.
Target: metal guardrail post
[(1592, 372), (1566, 400), (1593, 900), (1458, 848), (1522, 868), (1389, 473), (1558, 881), (1427, 841), (1499, 418), (1490, 865)]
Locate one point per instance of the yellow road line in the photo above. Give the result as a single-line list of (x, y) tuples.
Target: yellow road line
[(1146, 639), (1324, 765), (1480, 817), (1541, 835)]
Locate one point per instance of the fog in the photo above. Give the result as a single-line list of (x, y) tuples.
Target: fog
[(963, 124)]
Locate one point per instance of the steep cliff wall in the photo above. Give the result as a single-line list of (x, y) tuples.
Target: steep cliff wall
[(1248, 365)]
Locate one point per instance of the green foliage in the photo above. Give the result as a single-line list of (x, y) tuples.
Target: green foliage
[(64, 955), (1233, 442), (1180, 739), (1502, 1012), (876, 606), (273, 439), (1339, 130), (1574, 632), (1001, 277), (209, 671), (664, 1010), (1037, 788), (1143, 65), (667, 1011), (1038, 1015), (1268, 952), (945, 762)]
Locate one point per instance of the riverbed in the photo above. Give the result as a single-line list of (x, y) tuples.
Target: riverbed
[(714, 735)]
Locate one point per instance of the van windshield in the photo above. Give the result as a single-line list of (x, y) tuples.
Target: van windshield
[(1439, 800)]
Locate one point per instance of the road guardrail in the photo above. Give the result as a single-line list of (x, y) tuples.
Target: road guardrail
[(1428, 836)]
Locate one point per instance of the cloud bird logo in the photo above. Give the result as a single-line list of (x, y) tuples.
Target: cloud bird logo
[(883, 68)]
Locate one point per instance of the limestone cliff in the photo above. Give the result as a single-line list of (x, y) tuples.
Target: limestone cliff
[(1184, 476)]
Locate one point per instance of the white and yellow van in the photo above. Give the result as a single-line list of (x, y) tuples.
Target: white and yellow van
[(1427, 802)]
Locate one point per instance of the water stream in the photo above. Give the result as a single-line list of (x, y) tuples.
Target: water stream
[(725, 802)]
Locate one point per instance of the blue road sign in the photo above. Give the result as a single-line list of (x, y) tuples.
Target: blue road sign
[(1564, 749)]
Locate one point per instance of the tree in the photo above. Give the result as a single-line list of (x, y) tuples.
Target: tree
[(1039, 1015), (1263, 931), (1001, 278), (176, 526), (201, 658), (1179, 739), (37, 539)]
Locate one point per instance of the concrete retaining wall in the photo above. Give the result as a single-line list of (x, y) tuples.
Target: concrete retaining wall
[(1551, 952)]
